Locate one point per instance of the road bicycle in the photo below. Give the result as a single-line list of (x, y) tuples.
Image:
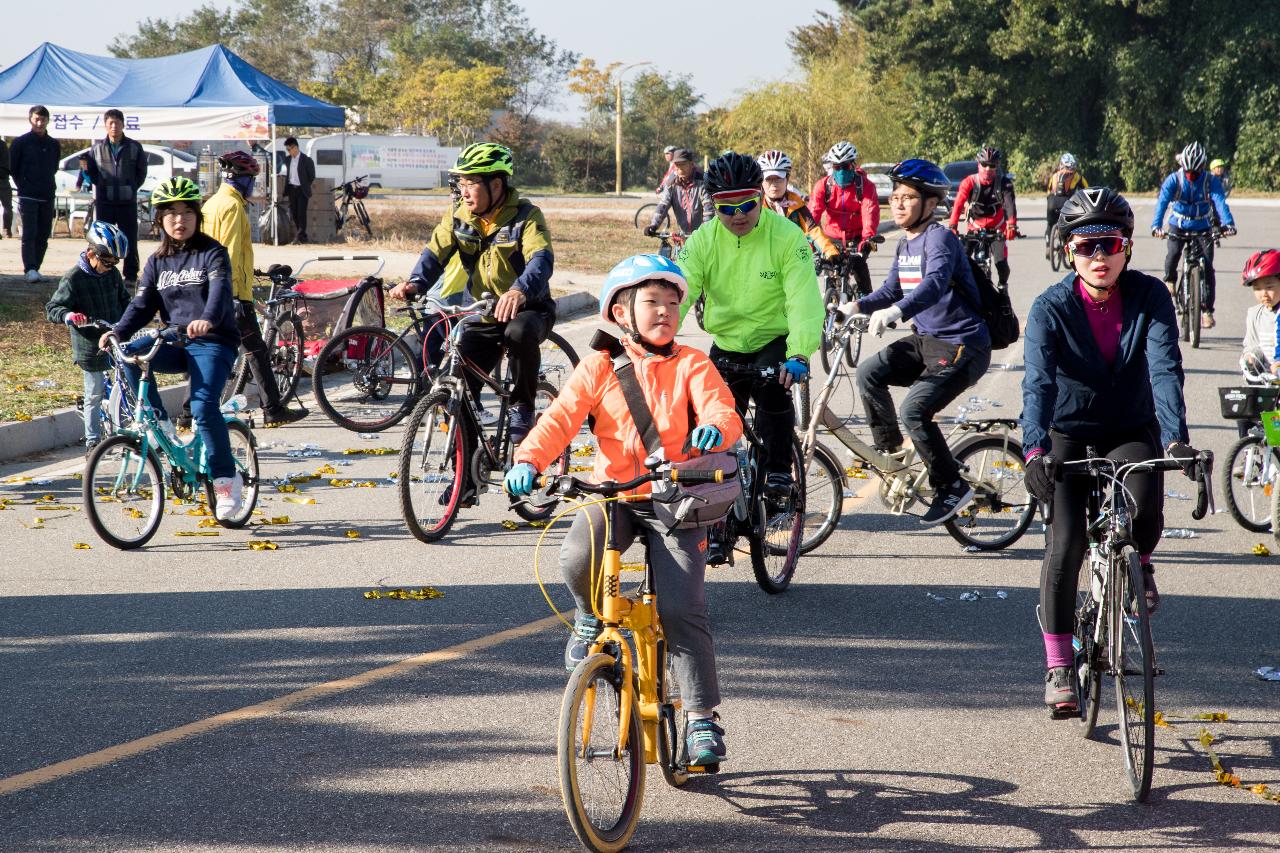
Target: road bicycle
[(621, 705), (125, 478), (773, 525), (448, 454), (282, 335), (368, 378), (1188, 292), (839, 287), (990, 460), (1250, 479), (1112, 636), (351, 196)]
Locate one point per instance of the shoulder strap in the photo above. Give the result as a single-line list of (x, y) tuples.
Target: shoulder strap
[(625, 369)]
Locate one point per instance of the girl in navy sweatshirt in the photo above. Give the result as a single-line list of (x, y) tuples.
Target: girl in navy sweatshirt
[(188, 282)]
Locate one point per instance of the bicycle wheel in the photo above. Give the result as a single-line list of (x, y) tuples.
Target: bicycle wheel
[(119, 405), (823, 498), (123, 492), (602, 787), (1002, 508), (246, 459), (284, 345), (1088, 662), (803, 406), (1132, 658), (1194, 284), (559, 358), (668, 728), (238, 379), (362, 216), (1180, 304), (645, 213), (430, 471), (560, 465), (1056, 256), (365, 379), (1247, 483), (777, 530), (830, 325), (853, 350)]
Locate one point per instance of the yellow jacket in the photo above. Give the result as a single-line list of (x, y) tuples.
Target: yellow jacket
[(1064, 182), (793, 207), (225, 219)]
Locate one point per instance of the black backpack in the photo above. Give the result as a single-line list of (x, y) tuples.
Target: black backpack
[(996, 309)]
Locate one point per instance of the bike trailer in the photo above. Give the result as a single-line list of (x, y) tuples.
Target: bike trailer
[(330, 305), (1248, 402)]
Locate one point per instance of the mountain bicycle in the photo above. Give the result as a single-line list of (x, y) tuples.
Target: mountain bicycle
[(448, 454), (125, 477), (1113, 628), (621, 706), (1188, 292), (1054, 248), (977, 245), (351, 197), (281, 332), (989, 455), (772, 525), (839, 288), (368, 378), (644, 214)]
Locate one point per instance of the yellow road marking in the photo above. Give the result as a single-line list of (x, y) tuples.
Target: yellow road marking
[(262, 710)]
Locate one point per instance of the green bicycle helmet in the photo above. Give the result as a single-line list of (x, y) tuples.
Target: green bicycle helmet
[(484, 158), (176, 189)]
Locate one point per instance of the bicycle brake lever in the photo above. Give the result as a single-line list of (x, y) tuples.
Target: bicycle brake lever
[(1204, 488)]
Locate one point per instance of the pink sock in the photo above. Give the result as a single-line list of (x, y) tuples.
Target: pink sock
[(1145, 559), (1057, 650)]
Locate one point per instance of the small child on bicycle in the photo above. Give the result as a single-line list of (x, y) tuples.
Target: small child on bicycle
[(1260, 354), (92, 290), (692, 407)]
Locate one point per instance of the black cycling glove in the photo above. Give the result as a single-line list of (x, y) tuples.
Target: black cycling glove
[(1186, 454), (1040, 476)]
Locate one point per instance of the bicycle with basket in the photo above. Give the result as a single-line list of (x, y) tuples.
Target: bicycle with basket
[(1250, 479)]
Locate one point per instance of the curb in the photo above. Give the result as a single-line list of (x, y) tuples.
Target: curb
[(65, 427)]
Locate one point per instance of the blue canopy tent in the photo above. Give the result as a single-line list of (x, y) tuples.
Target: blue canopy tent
[(210, 93)]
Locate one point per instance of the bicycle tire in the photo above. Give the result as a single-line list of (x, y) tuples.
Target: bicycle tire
[(1246, 473), (1056, 256), (246, 457), (115, 508), (1180, 304), (852, 351), (824, 498), (996, 519), (1275, 511), (119, 405), (560, 465), (238, 379), (356, 377), (1087, 662), (558, 361), (362, 216), (285, 341), (603, 822), (1194, 284), (803, 406), (830, 298), (775, 537), (644, 214), (1132, 661), (430, 470), (669, 741)]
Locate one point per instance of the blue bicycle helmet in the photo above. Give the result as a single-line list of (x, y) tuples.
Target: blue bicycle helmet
[(106, 239), (637, 270), (924, 175)]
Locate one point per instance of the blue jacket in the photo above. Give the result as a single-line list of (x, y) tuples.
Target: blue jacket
[(933, 306), (1069, 387), (1192, 202), (192, 284)]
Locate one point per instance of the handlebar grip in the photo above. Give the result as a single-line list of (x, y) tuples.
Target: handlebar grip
[(695, 477), (1046, 511), (1204, 486)]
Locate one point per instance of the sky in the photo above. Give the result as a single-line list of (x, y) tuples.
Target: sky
[(750, 35)]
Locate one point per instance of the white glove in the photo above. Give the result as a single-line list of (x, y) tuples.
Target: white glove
[(881, 319)]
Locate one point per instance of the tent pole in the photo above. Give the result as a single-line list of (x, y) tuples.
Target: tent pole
[(271, 202)]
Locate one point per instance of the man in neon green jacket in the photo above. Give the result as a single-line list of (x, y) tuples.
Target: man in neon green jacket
[(755, 269)]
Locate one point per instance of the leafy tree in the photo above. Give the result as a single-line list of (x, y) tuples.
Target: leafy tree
[(658, 110), (454, 104)]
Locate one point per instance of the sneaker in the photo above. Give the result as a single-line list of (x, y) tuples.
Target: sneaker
[(184, 421), (1149, 588), (469, 498), (89, 445), (705, 742), (170, 431), (229, 494), (33, 276), (1060, 690), (520, 421), (585, 630), (1206, 320), (947, 502), (1172, 286), (777, 484), (486, 417), (278, 415)]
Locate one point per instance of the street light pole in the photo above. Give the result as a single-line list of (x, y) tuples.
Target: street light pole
[(617, 127)]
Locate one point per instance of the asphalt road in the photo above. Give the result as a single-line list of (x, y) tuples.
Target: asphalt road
[(198, 695)]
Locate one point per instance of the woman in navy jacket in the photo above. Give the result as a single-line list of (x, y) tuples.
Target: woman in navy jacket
[(1103, 370)]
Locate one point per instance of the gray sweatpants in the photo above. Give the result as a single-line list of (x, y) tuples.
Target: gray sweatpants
[(679, 561)]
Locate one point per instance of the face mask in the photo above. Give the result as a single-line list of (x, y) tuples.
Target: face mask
[(842, 177), (242, 183)]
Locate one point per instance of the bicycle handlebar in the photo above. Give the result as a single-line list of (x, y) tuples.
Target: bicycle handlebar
[(1203, 463), (568, 485), (757, 372), (483, 305), (132, 352)]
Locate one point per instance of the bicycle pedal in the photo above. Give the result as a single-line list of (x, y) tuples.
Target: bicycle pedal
[(1064, 713), (703, 768)]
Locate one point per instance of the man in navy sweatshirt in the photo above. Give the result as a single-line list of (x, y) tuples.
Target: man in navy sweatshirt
[(931, 285), (33, 160)]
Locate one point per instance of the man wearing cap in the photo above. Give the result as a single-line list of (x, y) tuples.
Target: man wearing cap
[(685, 197)]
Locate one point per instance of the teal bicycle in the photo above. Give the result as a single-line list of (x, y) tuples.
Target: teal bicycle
[(126, 475)]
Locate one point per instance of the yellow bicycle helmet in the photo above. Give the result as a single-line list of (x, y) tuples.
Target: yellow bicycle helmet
[(176, 189), (484, 158)]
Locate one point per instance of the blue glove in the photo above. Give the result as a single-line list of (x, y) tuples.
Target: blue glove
[(519, 480), (705, 437), (797, 367)]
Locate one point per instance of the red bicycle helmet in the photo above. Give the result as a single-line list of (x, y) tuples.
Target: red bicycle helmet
[(1260, 265), (239, 163)]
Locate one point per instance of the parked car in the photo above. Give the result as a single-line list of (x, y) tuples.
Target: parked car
[(163, 163), (879, 175)]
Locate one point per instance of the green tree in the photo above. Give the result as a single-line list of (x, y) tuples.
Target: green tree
[(658, 110), (452, 103)]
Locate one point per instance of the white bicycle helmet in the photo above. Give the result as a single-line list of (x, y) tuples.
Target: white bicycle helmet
[(841, 152), (774, 162), (1193, 158), (1069, 161)]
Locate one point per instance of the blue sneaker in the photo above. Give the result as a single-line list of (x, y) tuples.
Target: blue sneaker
[(585, 630), (520, 421), (705, 742)]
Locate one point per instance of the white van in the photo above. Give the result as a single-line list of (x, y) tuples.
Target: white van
[(399, 162), (163, 163)]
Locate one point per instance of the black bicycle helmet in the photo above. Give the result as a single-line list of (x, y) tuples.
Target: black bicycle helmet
[(923, 175), (989, 155), (1096, 206), (733, 171)]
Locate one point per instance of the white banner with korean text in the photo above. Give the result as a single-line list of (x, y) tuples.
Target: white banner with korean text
[(145, 123)]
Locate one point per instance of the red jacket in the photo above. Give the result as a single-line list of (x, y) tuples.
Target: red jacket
[(986, 205), (846, 213)]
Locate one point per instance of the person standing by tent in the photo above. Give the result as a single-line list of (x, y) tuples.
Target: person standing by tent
[(301, 170), (34, 161), (117, 165)]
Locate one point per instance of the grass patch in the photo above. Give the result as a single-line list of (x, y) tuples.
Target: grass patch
[(33, 350)]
